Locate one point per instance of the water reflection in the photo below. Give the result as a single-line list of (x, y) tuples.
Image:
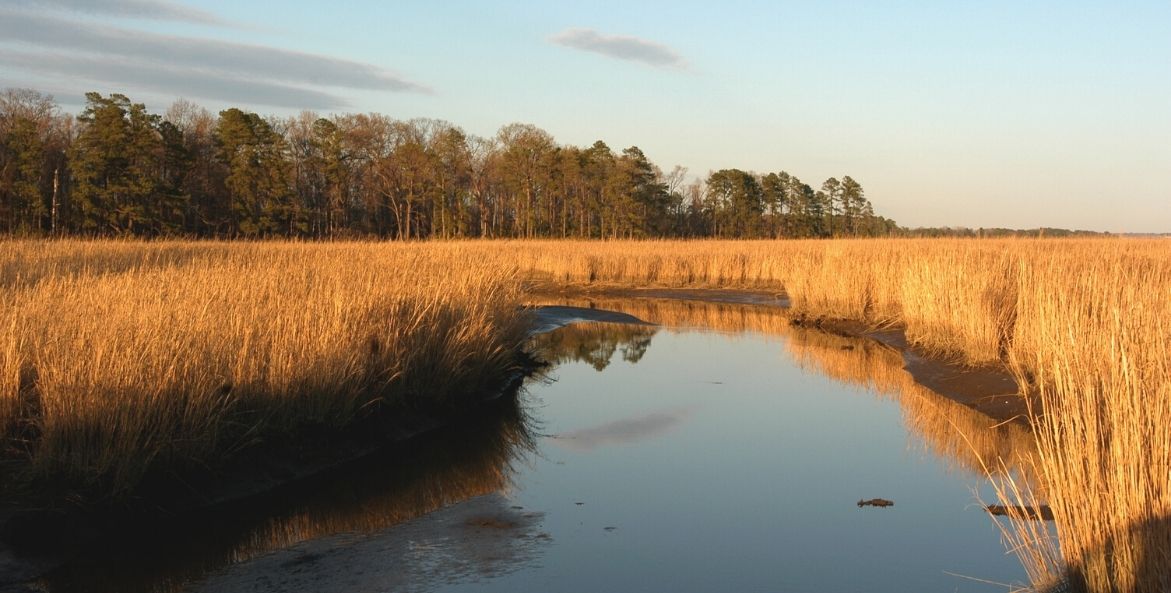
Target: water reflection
[(733, 460), (393, 522), (623, 431), (471, 458), (594, 343), (475, 541), (966, 438)]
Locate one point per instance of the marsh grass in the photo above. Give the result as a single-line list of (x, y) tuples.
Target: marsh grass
[(118, 357), (1096, 354), (130, 357), (1084, 324)]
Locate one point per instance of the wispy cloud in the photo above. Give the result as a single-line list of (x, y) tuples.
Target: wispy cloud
[(51, 45), (113, 73), (251, 61), (621, 432), (622, 47), (145, 9)]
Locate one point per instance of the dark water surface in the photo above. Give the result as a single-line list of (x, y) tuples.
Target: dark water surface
[(729, 458)]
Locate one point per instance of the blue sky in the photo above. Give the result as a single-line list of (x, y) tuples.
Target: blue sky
[(1017, 114)]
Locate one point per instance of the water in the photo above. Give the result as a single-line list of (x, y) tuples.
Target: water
[(722, 465), (647, 459)]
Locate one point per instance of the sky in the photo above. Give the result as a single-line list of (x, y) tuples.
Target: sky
[(978, 114)]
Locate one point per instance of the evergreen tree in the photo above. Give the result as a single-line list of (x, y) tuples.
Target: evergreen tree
[(648, 196), (774, 193), (116, 166), (854, 206), (453, 172), (22, 207), (832, 207), (736, 201), (258, 176), (526, 162)]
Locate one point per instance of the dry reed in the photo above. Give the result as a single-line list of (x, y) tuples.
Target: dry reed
[(1084, 324), (95, 330), (130, 356)]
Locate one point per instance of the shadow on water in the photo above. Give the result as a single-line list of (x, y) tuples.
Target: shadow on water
[(471, 458)]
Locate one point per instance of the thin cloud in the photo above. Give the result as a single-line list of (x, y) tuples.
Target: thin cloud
[(246, 61), (622, 47), (144, 9), (198, 83)]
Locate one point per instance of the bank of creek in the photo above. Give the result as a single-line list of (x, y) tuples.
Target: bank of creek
[(715, 447)]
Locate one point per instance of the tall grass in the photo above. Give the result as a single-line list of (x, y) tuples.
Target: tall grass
[(118, 358), (1083, 323), (183, 351), (1096, 353)]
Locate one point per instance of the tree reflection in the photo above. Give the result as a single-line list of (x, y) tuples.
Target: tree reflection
[(594, 343)]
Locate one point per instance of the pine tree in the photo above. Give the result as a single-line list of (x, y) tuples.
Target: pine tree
[(116, 164), (258, 176), (22, 207)]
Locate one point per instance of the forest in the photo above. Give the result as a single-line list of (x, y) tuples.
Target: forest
[(118, 170)]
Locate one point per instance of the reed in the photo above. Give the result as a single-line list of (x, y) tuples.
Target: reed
[(116, 357), (1083, 324), (1096, 353), (130, 357)]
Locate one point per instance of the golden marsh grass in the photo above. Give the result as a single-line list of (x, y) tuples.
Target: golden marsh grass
[(1083, 323), (120, 357), (178, 350)]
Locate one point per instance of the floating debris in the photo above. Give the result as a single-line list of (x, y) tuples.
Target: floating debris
[(1040, 512)]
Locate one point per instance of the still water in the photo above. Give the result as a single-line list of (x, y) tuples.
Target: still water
[(720, 451)]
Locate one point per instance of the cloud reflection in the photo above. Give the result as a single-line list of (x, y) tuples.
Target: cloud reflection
[(624, 431)]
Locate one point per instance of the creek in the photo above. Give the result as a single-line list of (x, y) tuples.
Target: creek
[(720, 449)]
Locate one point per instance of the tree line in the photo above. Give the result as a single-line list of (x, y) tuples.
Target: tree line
[(997, 233), (118, 170)]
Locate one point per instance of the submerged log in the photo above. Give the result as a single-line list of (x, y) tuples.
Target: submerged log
[(876, 502)]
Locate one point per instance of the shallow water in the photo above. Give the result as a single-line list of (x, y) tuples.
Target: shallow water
[(711, 461), (647, 459)]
